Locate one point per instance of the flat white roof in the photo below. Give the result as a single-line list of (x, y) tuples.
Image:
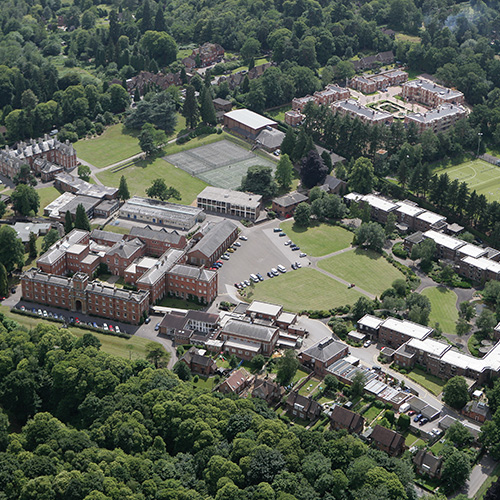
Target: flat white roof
[(370, 321), (76, 248), (463, 361), (264, 308), (407, 328), (411, 210), (229, 196), (353, 196), (444, 240), (286, 317), (429, 345), (472, 250), (380, 203), (430, 217), (250, 119)]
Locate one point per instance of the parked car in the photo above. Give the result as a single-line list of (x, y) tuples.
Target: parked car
[(261, 278), (105, 326), (117, 329), (147, 320), (237, 244), (303, 254), (230, 250), (23, 308), (417, 417), (294, 267), (368, 343), (423, 421), (295, 248), (277, 230), (282, 234), (277, 152), (270, 274), (281, 269), (287, 243), (411, 413), (94, 324), (298, 264), (243, 238), (274, 271), (157, 327), (225, 257), (247, 283)]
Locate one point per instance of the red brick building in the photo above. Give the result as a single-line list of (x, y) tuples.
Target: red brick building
[(387, 440), (192, 282), (430, 93), (285, 206), (236, 382), (342, 418), (157, 241), (323, 354)]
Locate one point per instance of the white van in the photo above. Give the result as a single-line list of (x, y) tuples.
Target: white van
[(274, 271), (281, 269), (254, 278)]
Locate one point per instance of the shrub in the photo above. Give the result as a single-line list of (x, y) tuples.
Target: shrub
[(399, 251), (195, 379)]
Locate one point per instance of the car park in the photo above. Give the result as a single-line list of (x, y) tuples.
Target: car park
[(243, 238), (261, 278), (417, 417), (303, 254)]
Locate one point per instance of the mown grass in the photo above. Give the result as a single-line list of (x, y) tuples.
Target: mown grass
[(430, 382), (444, 307)]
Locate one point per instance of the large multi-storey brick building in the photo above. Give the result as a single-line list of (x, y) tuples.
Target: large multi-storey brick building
[(370, 83), (51, 150), (439, 119), (430, 93), (351, 108)]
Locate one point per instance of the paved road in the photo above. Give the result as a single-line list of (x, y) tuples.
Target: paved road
[(478, 476)]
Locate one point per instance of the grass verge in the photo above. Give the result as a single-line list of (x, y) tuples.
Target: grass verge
[(430, 382)]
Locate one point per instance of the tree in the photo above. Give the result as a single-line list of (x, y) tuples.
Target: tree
[(331, 383), (25, 176), (358, 384), (288, 144), (158, 109), (302, 214), (157, 355), (459, 435), (119, 98), (68, 222), (259, 180), (161, 191), (4, 282), (160, 46), (49, 239), (313, 170), (84, 172), (390, 225), (3, 209), (456, 470), (11, 249), (81, 219), (287, 367), (371, 235), (455, 392), (361, 178), (258, 362), (250, 49), (151, 139), (486, 322), (123, 192), (462, 327), (419, 308), (361, 307), (25, 200), (425, 251), (207, 110), (190, 108), (284, 172), (32, 246), (403, 422), (467, 310), (182, 370)]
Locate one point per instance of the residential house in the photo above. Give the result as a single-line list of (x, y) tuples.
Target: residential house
[(197, 362), (302, 407), (477, 410), (426, 464), (323, 354), (236, 383), (267, 390), (342, 418), (285, 205), (388, 440)]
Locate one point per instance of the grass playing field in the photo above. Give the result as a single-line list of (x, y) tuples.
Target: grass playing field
[(304, 289), (115, 144), (479, 175), (367, 269), (444, 309), (141, 175), (318, 240)]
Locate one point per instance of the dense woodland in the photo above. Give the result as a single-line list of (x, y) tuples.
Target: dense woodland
[(81, 424)]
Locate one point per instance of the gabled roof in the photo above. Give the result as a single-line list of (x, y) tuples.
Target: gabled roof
[(125, 249), (308, 405), (237, 379), (387, 437), (149, 233), (214, 238), (249, 330), (346, 418), (290, 199), (428, 462), (99, 234), (325, 350)]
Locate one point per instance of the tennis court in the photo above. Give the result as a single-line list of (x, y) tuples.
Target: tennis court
[(479, 175), (221, 164)]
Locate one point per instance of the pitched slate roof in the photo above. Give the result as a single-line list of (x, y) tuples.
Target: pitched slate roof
[(325, 349), (236, 379), (346, 418), (387, 437), (149, 233), (214, 238), (249, 330)]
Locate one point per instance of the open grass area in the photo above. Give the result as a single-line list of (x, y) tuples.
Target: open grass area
[(304, 289), (28, 263), (437, 447), (310, 387), (141, 175), (299, 375), (318, 240), (47, 195), (444, 307), (479, 175), (367, 269), (407, 38), (430, 382), (279, 113), (116, 229), (412, 440), (207, 383), (372, 413), (132, 348), (116, 143)]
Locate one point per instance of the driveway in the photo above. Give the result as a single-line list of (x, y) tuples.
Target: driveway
[(478, 476)]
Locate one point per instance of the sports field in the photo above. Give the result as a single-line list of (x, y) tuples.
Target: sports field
[(444, 307), (141, 175), (479, 175), (318, 240), (367, 269), (222, 164), (304, 289)]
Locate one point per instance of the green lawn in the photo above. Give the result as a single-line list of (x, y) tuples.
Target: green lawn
[(437, 447), (141, 175), (412, 440), (279, 114), (116, 229), (367, 269), (372, 413), (207, 383), (430, 382), (304, 289), (299, 375), (132, 348), (115, 144), (479, 175), (318, 240), (47, 195), (444, 307), (179, 303), (309, 387), (28, 263)]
